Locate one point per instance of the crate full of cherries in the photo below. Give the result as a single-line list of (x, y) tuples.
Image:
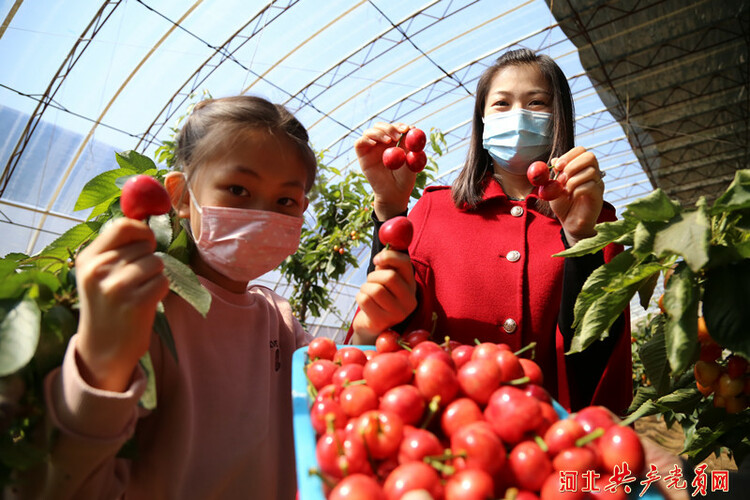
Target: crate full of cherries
[(411, 418)]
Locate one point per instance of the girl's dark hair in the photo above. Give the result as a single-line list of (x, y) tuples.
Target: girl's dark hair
[(468, 187), (216, 124)]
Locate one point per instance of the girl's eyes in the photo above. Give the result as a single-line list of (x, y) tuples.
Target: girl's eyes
[(238, 190)]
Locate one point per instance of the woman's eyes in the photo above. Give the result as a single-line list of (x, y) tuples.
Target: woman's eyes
[(287, 202)]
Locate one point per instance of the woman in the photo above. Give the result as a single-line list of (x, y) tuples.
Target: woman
[(481, 259)]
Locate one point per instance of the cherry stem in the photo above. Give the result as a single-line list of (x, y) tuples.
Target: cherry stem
[(440, 466), (595, 434), (405, 345), (530, 346), (540, 441), (313, 471), (432, 408), (434, 324), (519, 381), (311, 390)]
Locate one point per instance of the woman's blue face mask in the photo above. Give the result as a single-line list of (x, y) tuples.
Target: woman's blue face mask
[(517, 138)]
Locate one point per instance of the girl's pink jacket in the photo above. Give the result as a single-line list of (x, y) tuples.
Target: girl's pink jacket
[(222, 427)]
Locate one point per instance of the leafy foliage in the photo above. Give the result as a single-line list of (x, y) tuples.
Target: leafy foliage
[(39, 310), (705, 250)]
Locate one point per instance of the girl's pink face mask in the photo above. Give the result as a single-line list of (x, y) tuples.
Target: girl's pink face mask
[(244, 244)]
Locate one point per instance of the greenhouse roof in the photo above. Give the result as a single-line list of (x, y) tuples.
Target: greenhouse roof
[(660, 86)]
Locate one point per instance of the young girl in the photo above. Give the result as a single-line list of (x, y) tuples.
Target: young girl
[(481, 257), (222, 427)]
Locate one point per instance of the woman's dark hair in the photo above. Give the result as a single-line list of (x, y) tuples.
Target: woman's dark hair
[(468, 187), (216, 124)]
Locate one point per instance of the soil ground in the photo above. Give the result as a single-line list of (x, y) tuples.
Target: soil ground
[(672, 440)]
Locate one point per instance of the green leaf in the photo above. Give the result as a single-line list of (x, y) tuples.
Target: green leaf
[(161, 225), (606, 233), (101, 189), (681, 400), (148, 398), (135, 161), (646, 291), (737, 195), (642, 403), (653, 354), (687, 235), (681, 297), (7, 266), (655, 206), (19, 334), (643, 238), (606, 293), (183, 282), (164, 331), (179, 248), (726, 306), (71, 240)]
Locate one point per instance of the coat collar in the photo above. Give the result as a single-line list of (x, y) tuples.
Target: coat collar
[(493, 190)]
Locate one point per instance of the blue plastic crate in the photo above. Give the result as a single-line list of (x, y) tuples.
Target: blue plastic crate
[(309, 485)]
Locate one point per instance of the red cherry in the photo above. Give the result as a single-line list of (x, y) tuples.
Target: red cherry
[(350, 355), (551, 190), (386, 371), (563, 434), (478, 379), (479, 447), (512, 413), (405, 401), (538, 173), (415, 140), (394, 158), (621, 444), (415, 337), (462, 355), (593, 417), (469, 484), (320, 372), (412, 476), (387, 342), (416, 160), (417, 444), (357, 399), (359, 487), (532, 370), (381, 432), (346, 374), (530, 465), (458, 414), (142, 196), (396, 232), (321, 347), (435, 378)]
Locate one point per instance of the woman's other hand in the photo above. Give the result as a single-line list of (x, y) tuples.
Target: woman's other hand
[(579, 207), (387, 297)]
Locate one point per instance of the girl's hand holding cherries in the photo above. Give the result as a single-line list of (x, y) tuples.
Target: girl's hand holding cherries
[(121, 282)]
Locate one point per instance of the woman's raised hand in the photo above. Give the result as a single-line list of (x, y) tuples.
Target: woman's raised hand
[(580, 205), (387, 297), (392, 188), (120, 283)]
